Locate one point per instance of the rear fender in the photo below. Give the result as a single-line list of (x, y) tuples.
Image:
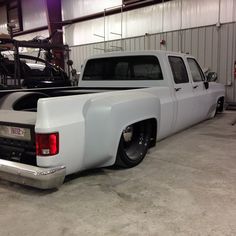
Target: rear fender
[(105, 120)]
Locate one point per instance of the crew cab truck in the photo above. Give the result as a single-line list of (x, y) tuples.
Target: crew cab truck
[(124, 103)]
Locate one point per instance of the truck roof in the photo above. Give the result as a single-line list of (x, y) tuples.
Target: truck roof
[(133, 53)]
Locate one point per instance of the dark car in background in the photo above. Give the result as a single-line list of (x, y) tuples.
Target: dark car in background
[(26, 70), (32, 75)]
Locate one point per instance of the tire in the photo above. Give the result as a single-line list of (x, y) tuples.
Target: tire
[(134, 143), (220, 105)]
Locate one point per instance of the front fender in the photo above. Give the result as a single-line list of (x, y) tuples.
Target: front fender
[(105, 119)]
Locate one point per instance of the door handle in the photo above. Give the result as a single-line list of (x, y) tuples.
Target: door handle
[(177, 89), (196, 86)]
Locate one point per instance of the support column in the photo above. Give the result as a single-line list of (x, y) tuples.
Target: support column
[(54, 18)]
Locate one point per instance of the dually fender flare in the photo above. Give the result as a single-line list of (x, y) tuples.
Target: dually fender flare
[(107, 118)]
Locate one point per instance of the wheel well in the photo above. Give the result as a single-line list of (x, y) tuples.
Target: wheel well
[(153, 123), (135, 141)]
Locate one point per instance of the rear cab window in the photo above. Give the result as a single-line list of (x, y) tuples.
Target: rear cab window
[(123, 68)]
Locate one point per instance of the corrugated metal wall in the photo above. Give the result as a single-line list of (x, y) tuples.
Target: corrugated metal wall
[(33, 14), (215, 48), (77, 8), (3, 20), (169, 16)]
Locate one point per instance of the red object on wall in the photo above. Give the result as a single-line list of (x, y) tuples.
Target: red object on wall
[(163, 42)]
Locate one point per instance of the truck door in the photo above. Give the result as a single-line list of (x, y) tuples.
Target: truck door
[(184, 94), (203, 100)]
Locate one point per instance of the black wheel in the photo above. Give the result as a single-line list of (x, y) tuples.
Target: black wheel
[(220, 105), (134, 144)]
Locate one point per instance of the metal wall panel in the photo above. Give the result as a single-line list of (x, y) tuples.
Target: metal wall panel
[(152, 42), (77, 8), (199, 12), (3, 20), (215, 48), (222, 64), (194, 42), (169, 16), (209, 46), (33, 14), (175, 41), (169, 40), (187, 46), (230, 59), (158, 40), (234, 61), (201, 45), (86, 32), (227, 11)]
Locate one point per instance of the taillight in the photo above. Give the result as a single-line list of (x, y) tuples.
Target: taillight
[(47, 144)]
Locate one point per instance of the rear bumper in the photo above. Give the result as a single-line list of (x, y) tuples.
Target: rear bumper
[(42, 178)]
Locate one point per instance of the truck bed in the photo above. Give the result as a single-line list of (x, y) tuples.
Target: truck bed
[(26, 99), (19, 117), (17, 148)]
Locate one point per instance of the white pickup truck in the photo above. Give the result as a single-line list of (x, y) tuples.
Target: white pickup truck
[(124, 103)]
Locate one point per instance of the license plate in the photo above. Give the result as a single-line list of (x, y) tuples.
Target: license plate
[(15, 132)]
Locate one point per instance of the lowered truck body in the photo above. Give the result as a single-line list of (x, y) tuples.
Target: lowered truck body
[(125, 102)]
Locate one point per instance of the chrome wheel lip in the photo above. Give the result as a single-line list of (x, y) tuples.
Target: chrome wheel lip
[(128, 134), (133, 143)]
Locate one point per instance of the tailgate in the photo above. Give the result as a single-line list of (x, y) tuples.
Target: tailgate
[(18, 153), (17, 139)]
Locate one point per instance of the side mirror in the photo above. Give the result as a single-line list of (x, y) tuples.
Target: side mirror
[(206, 84), (211, 76)]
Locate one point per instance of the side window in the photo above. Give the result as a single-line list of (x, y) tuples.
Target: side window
[(178, 69), (196, 71)]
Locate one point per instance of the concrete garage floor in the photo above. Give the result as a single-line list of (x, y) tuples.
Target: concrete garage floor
[(185, 186)]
